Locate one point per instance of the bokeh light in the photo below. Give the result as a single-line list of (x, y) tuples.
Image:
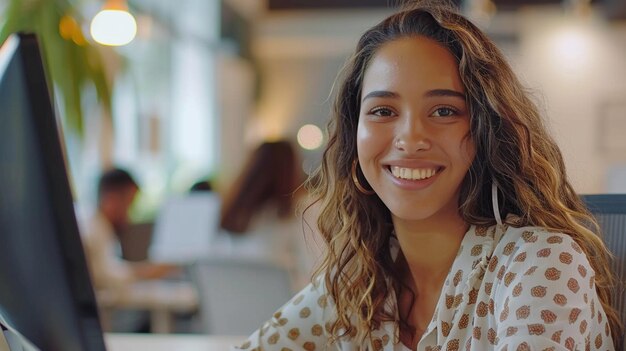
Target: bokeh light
[(113, 27), (310, 137)]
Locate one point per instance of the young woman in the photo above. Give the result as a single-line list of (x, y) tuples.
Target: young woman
[(448, 215)]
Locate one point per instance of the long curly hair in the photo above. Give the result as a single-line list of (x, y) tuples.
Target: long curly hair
[(513, 149)]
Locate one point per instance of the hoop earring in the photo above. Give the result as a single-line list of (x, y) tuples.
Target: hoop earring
[(357, 183), (494, 202)]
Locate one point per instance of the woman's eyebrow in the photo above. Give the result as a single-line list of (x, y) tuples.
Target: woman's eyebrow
[(444, 92), (430, 93), (380, 94)]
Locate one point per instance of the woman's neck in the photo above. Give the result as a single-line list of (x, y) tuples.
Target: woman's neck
[(429, 247)]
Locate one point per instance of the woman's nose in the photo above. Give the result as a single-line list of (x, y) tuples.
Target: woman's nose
[(412, 137)]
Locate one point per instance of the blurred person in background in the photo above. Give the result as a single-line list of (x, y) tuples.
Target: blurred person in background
[(116, 192), (132, 295), (258, 218)]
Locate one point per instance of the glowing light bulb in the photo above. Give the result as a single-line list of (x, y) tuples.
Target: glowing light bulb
[(113, 27), (310, 137)]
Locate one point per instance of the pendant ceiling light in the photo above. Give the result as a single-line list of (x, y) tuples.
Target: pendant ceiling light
[(113, 25)]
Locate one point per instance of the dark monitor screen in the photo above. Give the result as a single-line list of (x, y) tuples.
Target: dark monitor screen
[(45, 290)]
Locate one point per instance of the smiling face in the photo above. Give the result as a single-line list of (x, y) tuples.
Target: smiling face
[(413, 138)]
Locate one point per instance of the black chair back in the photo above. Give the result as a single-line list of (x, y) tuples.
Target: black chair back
[(610, 212)]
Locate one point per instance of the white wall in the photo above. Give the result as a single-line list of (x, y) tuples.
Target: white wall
[(235, 103), (578, 65)]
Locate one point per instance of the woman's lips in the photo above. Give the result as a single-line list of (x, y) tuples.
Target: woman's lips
[(409, 178)]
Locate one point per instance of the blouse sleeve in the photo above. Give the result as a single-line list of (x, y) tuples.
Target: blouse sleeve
[(301, 324), (545, 297), (107, 270)]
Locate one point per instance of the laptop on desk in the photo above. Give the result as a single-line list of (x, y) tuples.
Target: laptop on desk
[(185, 228)]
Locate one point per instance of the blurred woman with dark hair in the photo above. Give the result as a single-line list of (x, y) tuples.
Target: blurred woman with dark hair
[(268, 180), (259, 218)]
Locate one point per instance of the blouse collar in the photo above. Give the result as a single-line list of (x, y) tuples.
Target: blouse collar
[(475, 251)]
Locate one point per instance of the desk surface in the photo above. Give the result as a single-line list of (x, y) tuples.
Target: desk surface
[(179, 342)]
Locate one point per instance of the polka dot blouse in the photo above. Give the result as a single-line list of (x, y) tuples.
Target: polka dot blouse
[(508, 289)]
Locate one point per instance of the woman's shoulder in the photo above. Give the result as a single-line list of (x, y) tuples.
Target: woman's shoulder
[(546, 282), (535, 239), (529, 247)]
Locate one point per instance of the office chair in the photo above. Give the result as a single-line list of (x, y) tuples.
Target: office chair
[(610, 212), (236, 296)]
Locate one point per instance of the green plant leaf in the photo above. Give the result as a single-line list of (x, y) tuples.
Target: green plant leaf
[(70, 63)]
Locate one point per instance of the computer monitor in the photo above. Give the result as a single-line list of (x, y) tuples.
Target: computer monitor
[(45, 290)]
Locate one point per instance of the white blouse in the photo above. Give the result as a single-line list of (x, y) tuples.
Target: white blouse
[(107, 268), (508, 289)]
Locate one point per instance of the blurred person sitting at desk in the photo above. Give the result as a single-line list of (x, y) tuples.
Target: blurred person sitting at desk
[(258, 219), (116, 192), (124, 285)]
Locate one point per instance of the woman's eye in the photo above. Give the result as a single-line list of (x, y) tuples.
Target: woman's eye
[(382, 112), (444, 112)]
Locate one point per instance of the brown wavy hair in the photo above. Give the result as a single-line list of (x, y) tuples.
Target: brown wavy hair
[(513, 149)]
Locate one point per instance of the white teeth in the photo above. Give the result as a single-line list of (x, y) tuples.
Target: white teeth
[(413, 173)]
